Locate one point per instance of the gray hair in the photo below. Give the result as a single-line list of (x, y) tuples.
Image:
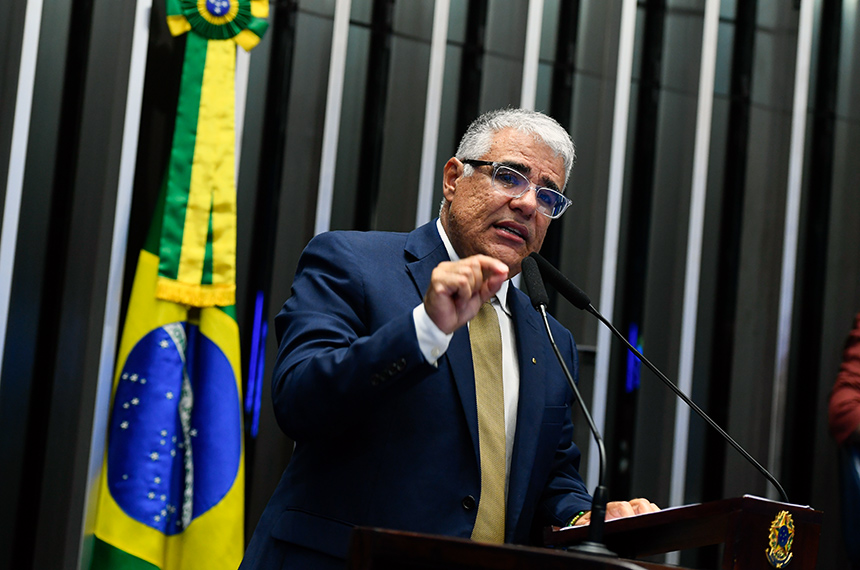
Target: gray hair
[(478, 138)]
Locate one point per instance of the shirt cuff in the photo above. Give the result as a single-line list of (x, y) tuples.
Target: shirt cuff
[(432, 341)]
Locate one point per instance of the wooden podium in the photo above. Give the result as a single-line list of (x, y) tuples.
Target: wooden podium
[(380, 549), (742, 525)]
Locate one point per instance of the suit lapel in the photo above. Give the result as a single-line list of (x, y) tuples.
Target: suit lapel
[(425, 248), (533, 359), (424, 251)]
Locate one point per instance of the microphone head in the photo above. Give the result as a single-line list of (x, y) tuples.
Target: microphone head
[(561, 283), (534, 283)]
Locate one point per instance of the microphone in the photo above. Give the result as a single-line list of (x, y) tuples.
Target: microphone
[(534, 284), (562, 284), (581, 301), (540, 300)]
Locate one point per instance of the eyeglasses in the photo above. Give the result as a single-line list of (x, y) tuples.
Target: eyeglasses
[(551, 203)]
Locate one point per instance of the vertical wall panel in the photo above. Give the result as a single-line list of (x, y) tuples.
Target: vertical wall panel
[(613, 216), (699, 186), (333, 110), (791, 239), (349, 156), (306, 108), (80, 321), (721, 267), (12, 24), (16, 84), (761, 245), (16, 105), (114, 284), (531, 54), (432, 112), (25, 388)]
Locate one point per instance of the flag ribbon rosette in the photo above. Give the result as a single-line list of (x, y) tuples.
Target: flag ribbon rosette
[(197, 250), (171, 492)]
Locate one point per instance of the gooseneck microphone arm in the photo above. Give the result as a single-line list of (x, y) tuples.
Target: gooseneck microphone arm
[(539, 299), (581, 301)]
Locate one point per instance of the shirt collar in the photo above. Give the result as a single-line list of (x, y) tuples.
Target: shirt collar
[(502, 295)]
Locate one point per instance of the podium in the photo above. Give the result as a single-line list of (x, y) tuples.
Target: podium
[(381, 549), (743, 525)]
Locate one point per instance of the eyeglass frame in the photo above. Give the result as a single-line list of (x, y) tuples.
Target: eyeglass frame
[(499, 188)]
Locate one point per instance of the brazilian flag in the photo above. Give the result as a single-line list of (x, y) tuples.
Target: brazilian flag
[(171, 494), (172, 484)]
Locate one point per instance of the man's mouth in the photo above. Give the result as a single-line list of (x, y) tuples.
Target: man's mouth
[(513, 229)]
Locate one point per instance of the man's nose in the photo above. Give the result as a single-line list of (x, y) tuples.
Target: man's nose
[(527, 202)]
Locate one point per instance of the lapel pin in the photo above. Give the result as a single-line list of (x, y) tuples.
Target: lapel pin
[(533, 360)]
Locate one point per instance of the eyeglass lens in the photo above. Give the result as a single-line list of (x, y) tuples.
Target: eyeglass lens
[(515, 184)]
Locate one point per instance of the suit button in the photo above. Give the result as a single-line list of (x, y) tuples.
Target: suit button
[(401, 364), (469, 502)]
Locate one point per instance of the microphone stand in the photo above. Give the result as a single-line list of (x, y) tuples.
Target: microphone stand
[(581, 301), (537, 295), (594, 544), (783, 496)]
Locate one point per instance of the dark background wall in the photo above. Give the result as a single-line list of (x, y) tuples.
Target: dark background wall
[(52, 412)]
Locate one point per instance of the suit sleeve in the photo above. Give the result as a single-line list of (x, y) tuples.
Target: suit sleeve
[(565, 493), (336, 362)]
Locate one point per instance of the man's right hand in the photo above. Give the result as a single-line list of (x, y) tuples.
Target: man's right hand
[(459, 288)]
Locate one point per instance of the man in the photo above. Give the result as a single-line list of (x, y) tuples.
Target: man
[(844, 419), (844, 407), (386, 393)]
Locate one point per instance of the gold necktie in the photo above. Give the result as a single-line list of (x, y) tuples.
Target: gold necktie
[(486, 340)]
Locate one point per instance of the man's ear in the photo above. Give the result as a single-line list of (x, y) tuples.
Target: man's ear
[(453, 170)]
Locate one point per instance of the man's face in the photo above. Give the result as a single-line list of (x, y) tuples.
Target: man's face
[(480, 219)]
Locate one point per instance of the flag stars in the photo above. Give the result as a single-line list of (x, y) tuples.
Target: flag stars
[(157, 480), (154, 455), (133, 377), (163, 497), (135, 401), (169, 395), (125, 476), (157, 518), (125, 375), (163, 433), (163, 442), (151, 495), (164, 344), (172, 453), (125, 406), (124, 425), (193, 433)]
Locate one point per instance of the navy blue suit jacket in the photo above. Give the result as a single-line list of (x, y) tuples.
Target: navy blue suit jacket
[(385, 439)]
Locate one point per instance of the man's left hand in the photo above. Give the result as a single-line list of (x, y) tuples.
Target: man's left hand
[(621, 509)]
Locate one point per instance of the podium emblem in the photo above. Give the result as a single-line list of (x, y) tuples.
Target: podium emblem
[(781, 537)]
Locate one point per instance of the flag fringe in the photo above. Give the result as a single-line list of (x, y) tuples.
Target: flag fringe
[(196, 295)]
